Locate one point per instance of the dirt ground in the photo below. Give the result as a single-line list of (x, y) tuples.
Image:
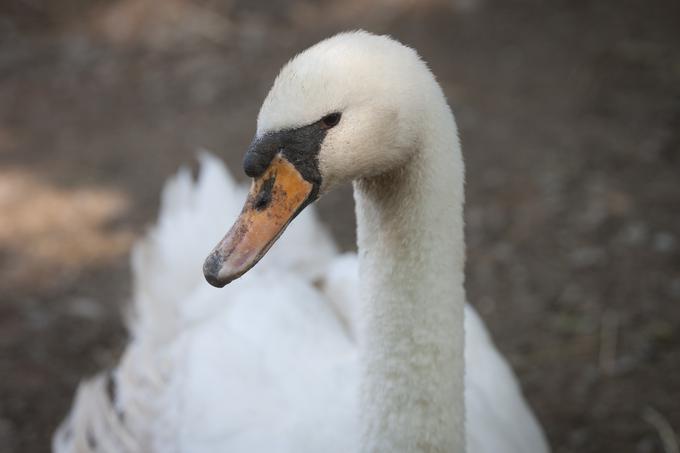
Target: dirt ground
[(569, 114)]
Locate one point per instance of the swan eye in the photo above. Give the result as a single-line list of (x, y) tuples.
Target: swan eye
[(331, 120)]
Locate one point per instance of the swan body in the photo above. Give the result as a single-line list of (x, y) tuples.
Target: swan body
[(311, 350)]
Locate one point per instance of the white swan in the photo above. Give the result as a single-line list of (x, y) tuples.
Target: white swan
[(310, 351)]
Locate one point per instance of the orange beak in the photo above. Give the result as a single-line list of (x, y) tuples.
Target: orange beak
[(274, 199)]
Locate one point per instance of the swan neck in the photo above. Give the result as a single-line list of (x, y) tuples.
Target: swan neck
[(411, 255)]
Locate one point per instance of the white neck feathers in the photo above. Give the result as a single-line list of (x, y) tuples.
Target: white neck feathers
[(412, 253)]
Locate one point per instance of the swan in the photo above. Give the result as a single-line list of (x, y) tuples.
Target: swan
[(312, 350)]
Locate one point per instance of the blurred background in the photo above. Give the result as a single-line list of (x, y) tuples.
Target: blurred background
[(569, 113)]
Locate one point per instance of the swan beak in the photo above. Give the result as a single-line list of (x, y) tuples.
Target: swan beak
[(274, 199)]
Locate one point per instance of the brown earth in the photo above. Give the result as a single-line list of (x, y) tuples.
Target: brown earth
[(570, 119)]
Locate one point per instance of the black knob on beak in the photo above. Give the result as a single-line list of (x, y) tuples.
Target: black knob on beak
[(260, 154)]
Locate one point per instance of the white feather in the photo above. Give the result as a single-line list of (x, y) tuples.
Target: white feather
[(265, 364)]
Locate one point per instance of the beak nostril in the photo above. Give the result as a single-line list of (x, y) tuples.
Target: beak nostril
[(264, 196), (262, 201)]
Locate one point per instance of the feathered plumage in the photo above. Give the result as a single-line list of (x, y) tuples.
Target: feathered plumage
[(268, 363)]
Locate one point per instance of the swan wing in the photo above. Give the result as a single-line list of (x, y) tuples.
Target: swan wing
[(143, 404), (498, 416)]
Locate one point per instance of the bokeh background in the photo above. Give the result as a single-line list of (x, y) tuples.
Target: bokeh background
[(569, 112)]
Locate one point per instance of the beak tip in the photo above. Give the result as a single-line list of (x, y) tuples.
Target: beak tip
[(214, 281), (211, 270)]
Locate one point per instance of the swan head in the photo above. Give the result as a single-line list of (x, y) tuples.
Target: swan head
[(349, 107)]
